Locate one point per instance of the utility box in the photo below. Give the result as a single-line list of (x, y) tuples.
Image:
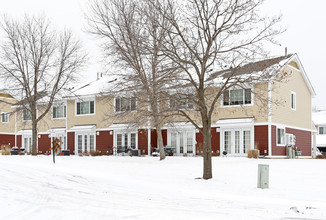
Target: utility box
[(263, 176)]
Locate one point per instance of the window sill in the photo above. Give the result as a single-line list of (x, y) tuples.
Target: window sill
[(236, 106)]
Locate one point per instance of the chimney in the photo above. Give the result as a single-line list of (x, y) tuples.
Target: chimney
[(286, 51)]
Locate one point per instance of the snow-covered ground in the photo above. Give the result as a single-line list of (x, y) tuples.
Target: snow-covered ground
[(146, 188)]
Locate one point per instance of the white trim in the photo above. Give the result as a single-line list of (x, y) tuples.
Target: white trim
[(269, 118), (83, 128), (287, 126), (178, 126), (7, 133)]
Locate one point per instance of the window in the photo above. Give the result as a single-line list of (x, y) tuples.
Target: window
[(180, 102), (85, 108), (237, 97), (280, 136), (4, 117), (59, 111), (322, 130), (125, 104), (27, 115), (293, 101)]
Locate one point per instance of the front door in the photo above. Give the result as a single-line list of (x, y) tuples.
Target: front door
[(125, 141), (27, 143), (85, 143), (182, 142), (237, 141)]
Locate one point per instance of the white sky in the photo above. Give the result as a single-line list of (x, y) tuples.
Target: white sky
[(304, 21)]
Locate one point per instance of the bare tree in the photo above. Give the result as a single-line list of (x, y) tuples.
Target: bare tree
[(37, 64), (132, 32), (208, 36)]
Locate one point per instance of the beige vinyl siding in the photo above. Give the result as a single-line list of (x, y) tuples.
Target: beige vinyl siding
[(282, 113)]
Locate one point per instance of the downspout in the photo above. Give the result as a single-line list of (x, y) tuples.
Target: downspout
[(269, 118), (16, 129), (66, 125), (149, 130)]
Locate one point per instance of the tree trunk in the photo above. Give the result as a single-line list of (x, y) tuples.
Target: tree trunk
[(160, 142), (207, 151), (34, 138)]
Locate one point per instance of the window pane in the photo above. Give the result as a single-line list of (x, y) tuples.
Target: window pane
[(84, 107), (80, 143), (119, 140), (126, 141), (226, 98), (117, 105), (133, 140), (189, 142), (133, 103), (91, 143), (246, 141), (236, 97), (227, 141), (181, 143), (54, 113), (247, 96), (91, 103), (78, 108), (172, 102), (280, 136)]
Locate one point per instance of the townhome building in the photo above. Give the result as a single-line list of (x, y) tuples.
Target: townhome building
[(90, 120), (319, 119)]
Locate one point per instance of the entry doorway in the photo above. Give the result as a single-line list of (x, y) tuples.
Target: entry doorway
[(237, 142), (85, 142)]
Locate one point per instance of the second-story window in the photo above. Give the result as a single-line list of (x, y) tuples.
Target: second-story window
[(180, 101), (124, 104), (27, 115), (4, 117), (59, 111), (237, 97), (85, 108)]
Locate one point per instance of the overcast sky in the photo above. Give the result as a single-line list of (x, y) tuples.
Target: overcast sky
[(304, 20)]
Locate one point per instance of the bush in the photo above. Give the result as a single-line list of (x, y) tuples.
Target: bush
[(97, 153), (250, 154), (320, 157)]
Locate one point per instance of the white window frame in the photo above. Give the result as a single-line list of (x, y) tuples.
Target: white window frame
[(5, 113), (85, 100), (284, 137), (293, 104), (241, 105), (128, 97), (56, 106)]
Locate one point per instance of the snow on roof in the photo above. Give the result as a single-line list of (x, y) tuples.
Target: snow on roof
[(100, 85), (319, 117)]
